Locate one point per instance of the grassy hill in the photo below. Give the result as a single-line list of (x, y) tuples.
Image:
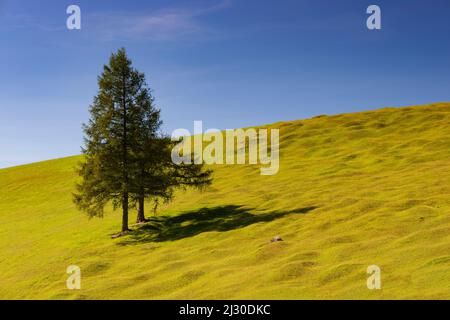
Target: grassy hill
[(353, 190)]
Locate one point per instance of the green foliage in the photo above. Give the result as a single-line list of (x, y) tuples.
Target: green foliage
[(112, 137), (126, 157)]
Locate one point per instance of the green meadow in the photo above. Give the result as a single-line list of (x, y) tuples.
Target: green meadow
[(353, 190)]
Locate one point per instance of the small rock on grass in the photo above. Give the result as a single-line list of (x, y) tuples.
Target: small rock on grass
[(276, 239)]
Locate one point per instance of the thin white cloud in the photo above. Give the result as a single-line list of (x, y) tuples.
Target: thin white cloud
[(172, 23), (166, 24)]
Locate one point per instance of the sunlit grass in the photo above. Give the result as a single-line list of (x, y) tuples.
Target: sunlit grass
[(353, 190)]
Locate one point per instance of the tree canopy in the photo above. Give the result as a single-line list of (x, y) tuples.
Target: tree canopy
[(126, 158)]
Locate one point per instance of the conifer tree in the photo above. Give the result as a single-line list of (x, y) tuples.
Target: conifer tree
[(126, 159), (112, 138)]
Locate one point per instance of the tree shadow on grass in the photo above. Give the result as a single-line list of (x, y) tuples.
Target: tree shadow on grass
[(189, 224)]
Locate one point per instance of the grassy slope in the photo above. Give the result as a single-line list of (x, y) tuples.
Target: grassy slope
[(353, 190)]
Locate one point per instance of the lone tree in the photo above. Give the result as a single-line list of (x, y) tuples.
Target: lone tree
[(126, 159)]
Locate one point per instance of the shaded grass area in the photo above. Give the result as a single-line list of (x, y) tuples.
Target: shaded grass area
[(192, 223)]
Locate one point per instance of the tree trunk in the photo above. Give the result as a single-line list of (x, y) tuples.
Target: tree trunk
[(125, 159), (141, 215), (125, 212)]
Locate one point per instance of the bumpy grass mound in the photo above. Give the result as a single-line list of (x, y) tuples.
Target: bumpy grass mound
[(353, 190)]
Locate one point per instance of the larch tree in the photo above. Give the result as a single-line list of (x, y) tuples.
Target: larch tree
[(126, 158), (112, 139)]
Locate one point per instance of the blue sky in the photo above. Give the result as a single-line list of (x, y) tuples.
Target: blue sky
[(230, 63)]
